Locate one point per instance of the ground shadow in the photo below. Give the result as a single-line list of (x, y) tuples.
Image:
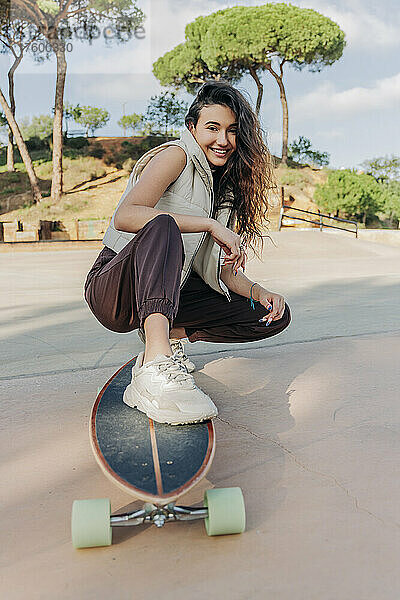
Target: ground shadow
[(94, 186)]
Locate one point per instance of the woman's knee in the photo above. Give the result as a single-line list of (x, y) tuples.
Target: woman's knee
[(162, 223), (162, 231)]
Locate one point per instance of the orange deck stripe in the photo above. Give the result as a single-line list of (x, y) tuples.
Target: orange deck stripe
[(155, 458)]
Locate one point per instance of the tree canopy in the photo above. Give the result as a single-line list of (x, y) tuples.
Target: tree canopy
[(301, 150), (255, 35), (91, 117), (165, 110), (39, 126), (391, 200), (383, 168), (135, 122)]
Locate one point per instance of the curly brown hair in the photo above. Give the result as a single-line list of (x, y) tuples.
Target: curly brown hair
[(247, 177)]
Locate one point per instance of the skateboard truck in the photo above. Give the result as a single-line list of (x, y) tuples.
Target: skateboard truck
[(159, 515), (223, 512)]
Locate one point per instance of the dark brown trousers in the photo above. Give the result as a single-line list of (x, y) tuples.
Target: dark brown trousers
[(144, 278)]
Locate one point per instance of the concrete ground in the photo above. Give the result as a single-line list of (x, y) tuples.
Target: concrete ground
[(308, 428)]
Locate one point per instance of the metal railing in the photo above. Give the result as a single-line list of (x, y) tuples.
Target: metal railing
[(319, 223)]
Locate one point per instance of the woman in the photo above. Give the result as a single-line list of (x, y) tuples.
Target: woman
[(187, 202)]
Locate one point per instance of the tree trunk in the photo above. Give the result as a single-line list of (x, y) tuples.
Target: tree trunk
[(260, 88), (10, 152), (285, 112), (11, 95), (57, 180), (37, 196)]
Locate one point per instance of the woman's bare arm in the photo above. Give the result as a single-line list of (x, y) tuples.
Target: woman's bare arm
[(138, 206)]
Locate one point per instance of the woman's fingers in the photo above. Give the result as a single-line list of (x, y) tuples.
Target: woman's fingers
[(241, 262), (235, 252), (276, 308), (237, 260)]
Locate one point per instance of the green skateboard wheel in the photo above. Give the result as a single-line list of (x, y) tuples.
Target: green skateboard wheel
[(226, 511), (90, 523)]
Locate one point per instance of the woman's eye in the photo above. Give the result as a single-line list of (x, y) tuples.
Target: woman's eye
[(234, 131)]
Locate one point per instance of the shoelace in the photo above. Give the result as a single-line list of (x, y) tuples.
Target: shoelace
[(174, 370), (177, 348)]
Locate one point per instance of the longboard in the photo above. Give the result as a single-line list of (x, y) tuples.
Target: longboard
[(154, 462)]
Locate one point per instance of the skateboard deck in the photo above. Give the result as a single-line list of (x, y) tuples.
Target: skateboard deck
[(152, 461)]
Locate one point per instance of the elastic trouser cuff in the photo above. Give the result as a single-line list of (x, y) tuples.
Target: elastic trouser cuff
[(156, 305)]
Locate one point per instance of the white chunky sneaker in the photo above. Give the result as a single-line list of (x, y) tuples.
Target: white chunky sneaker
[(177, 348), (167, 393)]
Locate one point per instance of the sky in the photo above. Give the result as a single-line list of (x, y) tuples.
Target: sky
[(350, 110)]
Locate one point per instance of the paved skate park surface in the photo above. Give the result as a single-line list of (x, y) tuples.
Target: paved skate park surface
[(308, 428)]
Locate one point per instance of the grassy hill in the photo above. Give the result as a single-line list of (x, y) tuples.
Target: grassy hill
[(93, 186)]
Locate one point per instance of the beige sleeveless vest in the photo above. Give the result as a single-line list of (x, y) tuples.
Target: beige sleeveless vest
[(191, 194)]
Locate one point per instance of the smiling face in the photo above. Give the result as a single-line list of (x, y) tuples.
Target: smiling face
[(215, 133)]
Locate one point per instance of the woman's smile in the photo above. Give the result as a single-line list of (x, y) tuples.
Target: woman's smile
[(220, 152), (216, 156)]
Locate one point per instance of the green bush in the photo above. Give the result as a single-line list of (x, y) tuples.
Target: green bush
[(130, 150), (353, 195), (36, 143), (76, 143), (74, 153), (96, 150)]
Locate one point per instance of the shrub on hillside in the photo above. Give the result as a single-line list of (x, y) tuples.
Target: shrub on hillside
[(3, 156), (96, 150), (130, 150), (37, 143), (76, 143)]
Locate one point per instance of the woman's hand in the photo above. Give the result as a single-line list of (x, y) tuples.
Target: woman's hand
[(275, 303), (230, 244)]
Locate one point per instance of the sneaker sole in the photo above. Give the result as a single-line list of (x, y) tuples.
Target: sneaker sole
[(134, 400)]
